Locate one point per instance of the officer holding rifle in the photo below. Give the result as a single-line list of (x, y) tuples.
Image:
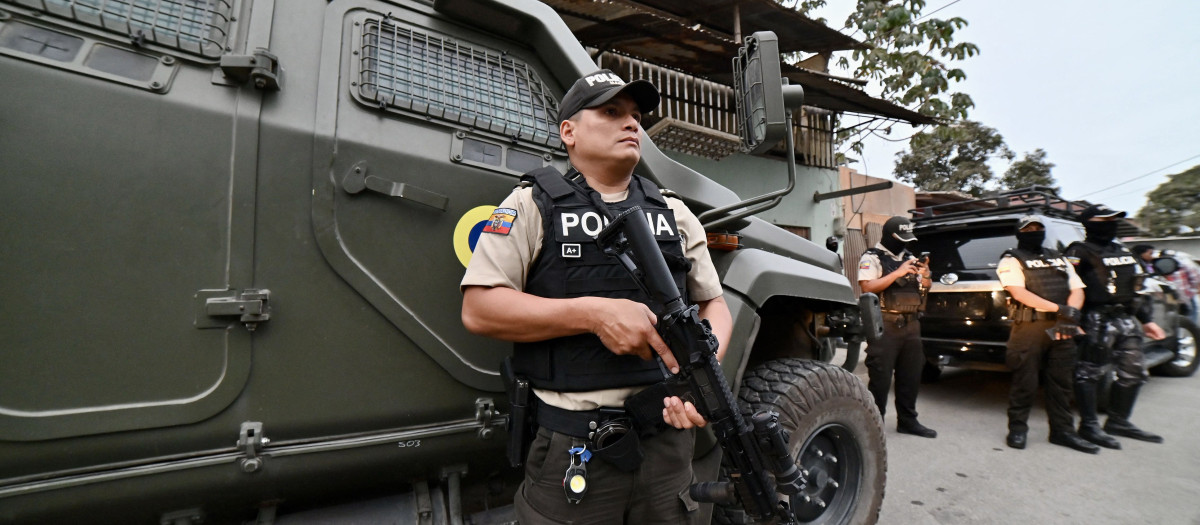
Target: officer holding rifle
[(584, 336)]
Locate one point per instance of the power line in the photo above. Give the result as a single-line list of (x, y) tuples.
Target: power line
[(1173, 164)]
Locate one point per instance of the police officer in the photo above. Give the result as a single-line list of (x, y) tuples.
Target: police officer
[(1112, 275), (1047, 296), (584, 334), (888, 269)]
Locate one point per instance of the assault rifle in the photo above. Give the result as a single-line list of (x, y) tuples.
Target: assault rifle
[(756, 456)]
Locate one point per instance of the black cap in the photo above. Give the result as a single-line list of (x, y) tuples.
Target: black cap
[(600, 87), (900, 227), (1100, 210)]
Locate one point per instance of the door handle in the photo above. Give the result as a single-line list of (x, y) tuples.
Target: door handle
[(357, 179)]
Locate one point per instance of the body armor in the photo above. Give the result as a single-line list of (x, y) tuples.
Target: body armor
[(1045, 273), (571, 265), (905, 294), (1110, 273)]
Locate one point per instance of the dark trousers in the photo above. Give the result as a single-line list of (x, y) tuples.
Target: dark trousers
[(1031, 351), (897, 353), (1116, 339), (655, 493)]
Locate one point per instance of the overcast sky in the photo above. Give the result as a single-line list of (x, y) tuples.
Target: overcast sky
[(1111, 90)]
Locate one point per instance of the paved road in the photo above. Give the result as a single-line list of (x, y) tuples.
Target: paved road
[(968, 476)]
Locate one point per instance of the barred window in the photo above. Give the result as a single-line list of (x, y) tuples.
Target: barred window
[(194, 26), (454, 81)]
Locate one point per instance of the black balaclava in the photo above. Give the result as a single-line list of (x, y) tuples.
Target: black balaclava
[(1100, 232), (893, 230), (1031, 241)]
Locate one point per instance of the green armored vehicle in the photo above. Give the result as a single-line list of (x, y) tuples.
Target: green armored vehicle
[(233, 232)]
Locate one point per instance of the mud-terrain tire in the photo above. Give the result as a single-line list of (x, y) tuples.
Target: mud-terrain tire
[(836, 434), (1184, 364)]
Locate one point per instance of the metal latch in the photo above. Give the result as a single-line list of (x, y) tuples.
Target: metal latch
[(249, 305), (262, 68), (487, 416), (251, 441)]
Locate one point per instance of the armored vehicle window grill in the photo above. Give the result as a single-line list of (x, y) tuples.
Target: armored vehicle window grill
[(194, 26), (454, 81)]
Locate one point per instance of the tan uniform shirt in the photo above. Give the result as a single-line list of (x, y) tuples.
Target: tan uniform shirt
[(1011, 274), (505, 260), (869, 266)]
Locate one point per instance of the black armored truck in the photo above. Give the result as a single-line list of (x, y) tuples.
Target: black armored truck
[(233, 235)]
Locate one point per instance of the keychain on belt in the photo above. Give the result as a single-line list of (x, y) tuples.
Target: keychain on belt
[(575, 480)]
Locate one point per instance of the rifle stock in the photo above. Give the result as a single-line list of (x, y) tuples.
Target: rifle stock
[(755, 457)]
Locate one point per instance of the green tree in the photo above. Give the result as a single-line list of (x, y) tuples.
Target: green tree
[(952, 158), (1030, 170), (1173, 208), (910, 56)]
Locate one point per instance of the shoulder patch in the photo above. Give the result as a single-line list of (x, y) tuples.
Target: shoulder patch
[(1073, 260), (864, 264), (501, 221)]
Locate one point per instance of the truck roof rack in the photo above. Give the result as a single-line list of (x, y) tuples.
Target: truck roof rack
[(1034, 199)]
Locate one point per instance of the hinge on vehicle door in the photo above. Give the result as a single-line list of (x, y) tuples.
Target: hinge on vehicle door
[(261, 68), (487, 416), (250, 306), (251, 441)]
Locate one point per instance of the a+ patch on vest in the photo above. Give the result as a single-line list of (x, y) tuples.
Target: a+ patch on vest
[(574, 227), (501, 221)]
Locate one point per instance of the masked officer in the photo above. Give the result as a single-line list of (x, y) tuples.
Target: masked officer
[(1112, 276), (584, 334), (901, 281), (1047, 296)]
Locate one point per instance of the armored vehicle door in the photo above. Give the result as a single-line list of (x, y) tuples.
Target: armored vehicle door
[(426, 126), (123, 245)]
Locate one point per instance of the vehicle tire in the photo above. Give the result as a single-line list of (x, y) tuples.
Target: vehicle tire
[(931, 372), (1185, 362), (835, 433)]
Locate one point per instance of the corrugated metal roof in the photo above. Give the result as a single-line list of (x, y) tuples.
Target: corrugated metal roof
[(697, 37)]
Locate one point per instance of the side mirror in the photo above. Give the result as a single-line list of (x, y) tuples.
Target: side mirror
[(762, 97), (1165, 265)]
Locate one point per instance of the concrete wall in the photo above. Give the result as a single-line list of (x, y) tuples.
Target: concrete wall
[(877, 206)]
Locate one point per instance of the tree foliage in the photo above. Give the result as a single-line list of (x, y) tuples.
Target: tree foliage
[(1173, 208), (1030, 170), (952, 158), (911, 57)]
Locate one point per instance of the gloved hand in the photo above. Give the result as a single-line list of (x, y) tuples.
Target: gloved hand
[(1069, 313)]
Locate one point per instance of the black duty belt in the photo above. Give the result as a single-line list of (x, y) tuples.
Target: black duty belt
[(576, 423), (1028, 314), (1109, 309)]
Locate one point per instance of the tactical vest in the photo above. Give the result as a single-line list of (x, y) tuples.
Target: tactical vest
[(571, 265), (1045, 273), (1109, 272), (904, 295)]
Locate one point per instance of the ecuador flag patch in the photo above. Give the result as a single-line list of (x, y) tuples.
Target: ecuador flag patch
[(501, 221)]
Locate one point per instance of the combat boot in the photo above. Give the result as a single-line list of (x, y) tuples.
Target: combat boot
[(1070, 439), (1089, 424), (1120, 406)]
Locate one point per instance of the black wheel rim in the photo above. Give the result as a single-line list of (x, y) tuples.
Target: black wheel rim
[(832, 461)]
